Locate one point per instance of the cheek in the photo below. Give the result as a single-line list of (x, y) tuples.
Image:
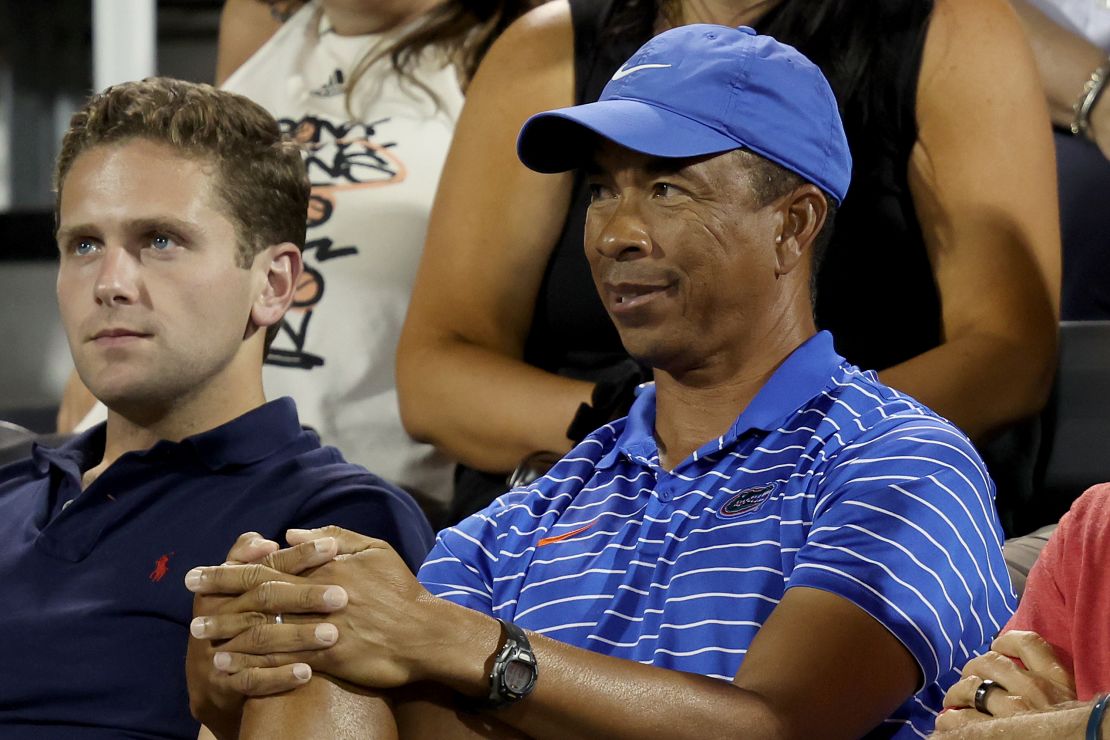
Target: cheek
[(214, 309), (69, 291)]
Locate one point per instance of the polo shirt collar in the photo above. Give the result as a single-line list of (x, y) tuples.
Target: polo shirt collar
[(637, 439), (801, 376), (247, 439), (242, 441), (76, 455)]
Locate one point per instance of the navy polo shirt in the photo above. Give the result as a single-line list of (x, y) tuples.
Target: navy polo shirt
[(828, 479), (94, 617)]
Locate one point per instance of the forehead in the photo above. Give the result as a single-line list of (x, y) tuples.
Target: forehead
[(136, 179)]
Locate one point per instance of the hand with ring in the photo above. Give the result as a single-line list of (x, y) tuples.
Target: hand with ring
[(1020, 673), (379, 640), (212, 699)]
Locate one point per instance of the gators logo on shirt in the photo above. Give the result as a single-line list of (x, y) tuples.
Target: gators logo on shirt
[(746, 501)]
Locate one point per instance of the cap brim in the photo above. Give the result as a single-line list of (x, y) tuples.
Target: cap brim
[(561, 140)]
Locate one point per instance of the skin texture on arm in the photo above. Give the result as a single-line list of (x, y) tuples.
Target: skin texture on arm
[(983, 180), (1065, 61), (245, 25), (815, 650), (323, 708), (461, 380)]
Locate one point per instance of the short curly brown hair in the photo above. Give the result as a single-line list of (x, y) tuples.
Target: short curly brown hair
[(261, 179)]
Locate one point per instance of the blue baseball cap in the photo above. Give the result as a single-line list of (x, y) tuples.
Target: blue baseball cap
[(705, 89)]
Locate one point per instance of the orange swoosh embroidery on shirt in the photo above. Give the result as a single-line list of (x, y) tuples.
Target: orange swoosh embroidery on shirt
[(564, 535)]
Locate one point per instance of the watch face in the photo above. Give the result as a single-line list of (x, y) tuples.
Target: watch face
[(518, 675)]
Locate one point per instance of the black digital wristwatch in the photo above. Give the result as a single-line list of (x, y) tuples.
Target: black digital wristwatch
[(514, 671)]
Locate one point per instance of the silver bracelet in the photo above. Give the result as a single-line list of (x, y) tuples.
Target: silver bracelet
[(1080, 124)]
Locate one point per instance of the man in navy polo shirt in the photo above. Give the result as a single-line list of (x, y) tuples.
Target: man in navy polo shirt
[(180, 225), (772, 544)]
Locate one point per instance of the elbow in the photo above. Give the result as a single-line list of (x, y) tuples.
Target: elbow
[(1036, 356), (413, 394), (1028, 368)]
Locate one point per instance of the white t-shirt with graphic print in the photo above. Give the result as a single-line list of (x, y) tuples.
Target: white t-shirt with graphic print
[(374, 175)]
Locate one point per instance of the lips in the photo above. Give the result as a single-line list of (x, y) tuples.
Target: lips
[(118, 335), (629, 296)]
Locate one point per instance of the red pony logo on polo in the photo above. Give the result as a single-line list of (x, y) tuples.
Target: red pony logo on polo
[(161, 568)]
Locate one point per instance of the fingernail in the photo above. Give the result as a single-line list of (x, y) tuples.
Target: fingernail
[(198, 627), (193, 579), (257, 542), (222, 661), (299, 532), (335, 597), (324, 544), (302, 672), (326, 633)]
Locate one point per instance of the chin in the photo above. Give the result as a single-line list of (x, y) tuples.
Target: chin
[(128, 395), (651, 353)]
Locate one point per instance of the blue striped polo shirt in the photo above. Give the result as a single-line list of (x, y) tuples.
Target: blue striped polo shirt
[(828, 479)]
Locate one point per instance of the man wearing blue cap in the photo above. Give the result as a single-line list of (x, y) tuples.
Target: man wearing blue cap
[(771, 544)]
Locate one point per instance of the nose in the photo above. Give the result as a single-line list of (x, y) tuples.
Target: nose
[(117, 279), (618, 231)]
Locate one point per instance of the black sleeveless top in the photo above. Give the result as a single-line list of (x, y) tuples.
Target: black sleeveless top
[(875, 287)]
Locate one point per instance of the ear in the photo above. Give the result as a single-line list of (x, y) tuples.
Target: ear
[(804, 212), (279, 267)]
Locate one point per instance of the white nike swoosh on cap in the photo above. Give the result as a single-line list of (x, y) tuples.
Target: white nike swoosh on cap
[(622, 72)]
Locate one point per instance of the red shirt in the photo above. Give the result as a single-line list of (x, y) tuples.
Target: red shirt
[(1067, 596)]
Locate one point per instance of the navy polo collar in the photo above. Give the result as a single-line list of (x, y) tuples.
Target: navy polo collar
[(239, 442), (801, 376), (77, 454)]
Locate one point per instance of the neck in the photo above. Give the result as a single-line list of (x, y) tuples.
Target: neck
[(723, 12), (132, 428), (699, 404), (375, 17)]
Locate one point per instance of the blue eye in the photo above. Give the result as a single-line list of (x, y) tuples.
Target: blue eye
[(161, 242), (84, 247)]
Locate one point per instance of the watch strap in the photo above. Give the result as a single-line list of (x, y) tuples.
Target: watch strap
[(515, 647)]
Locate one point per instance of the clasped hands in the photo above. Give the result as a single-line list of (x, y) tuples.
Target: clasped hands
[(1027, 677), (350, 608)]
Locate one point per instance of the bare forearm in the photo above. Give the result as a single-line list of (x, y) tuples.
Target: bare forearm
[(320, 709), (1066, 721), (485, 409), (981, 382), (1064, 60), (581, 694)]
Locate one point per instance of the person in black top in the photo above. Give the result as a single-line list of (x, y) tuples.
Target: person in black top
[(943, 272)]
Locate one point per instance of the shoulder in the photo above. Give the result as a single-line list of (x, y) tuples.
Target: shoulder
[(324, 484), (540, 40), (886, 439), (246, 27), (1087, 523), (324, 471), (970, 40), (870, 415)]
